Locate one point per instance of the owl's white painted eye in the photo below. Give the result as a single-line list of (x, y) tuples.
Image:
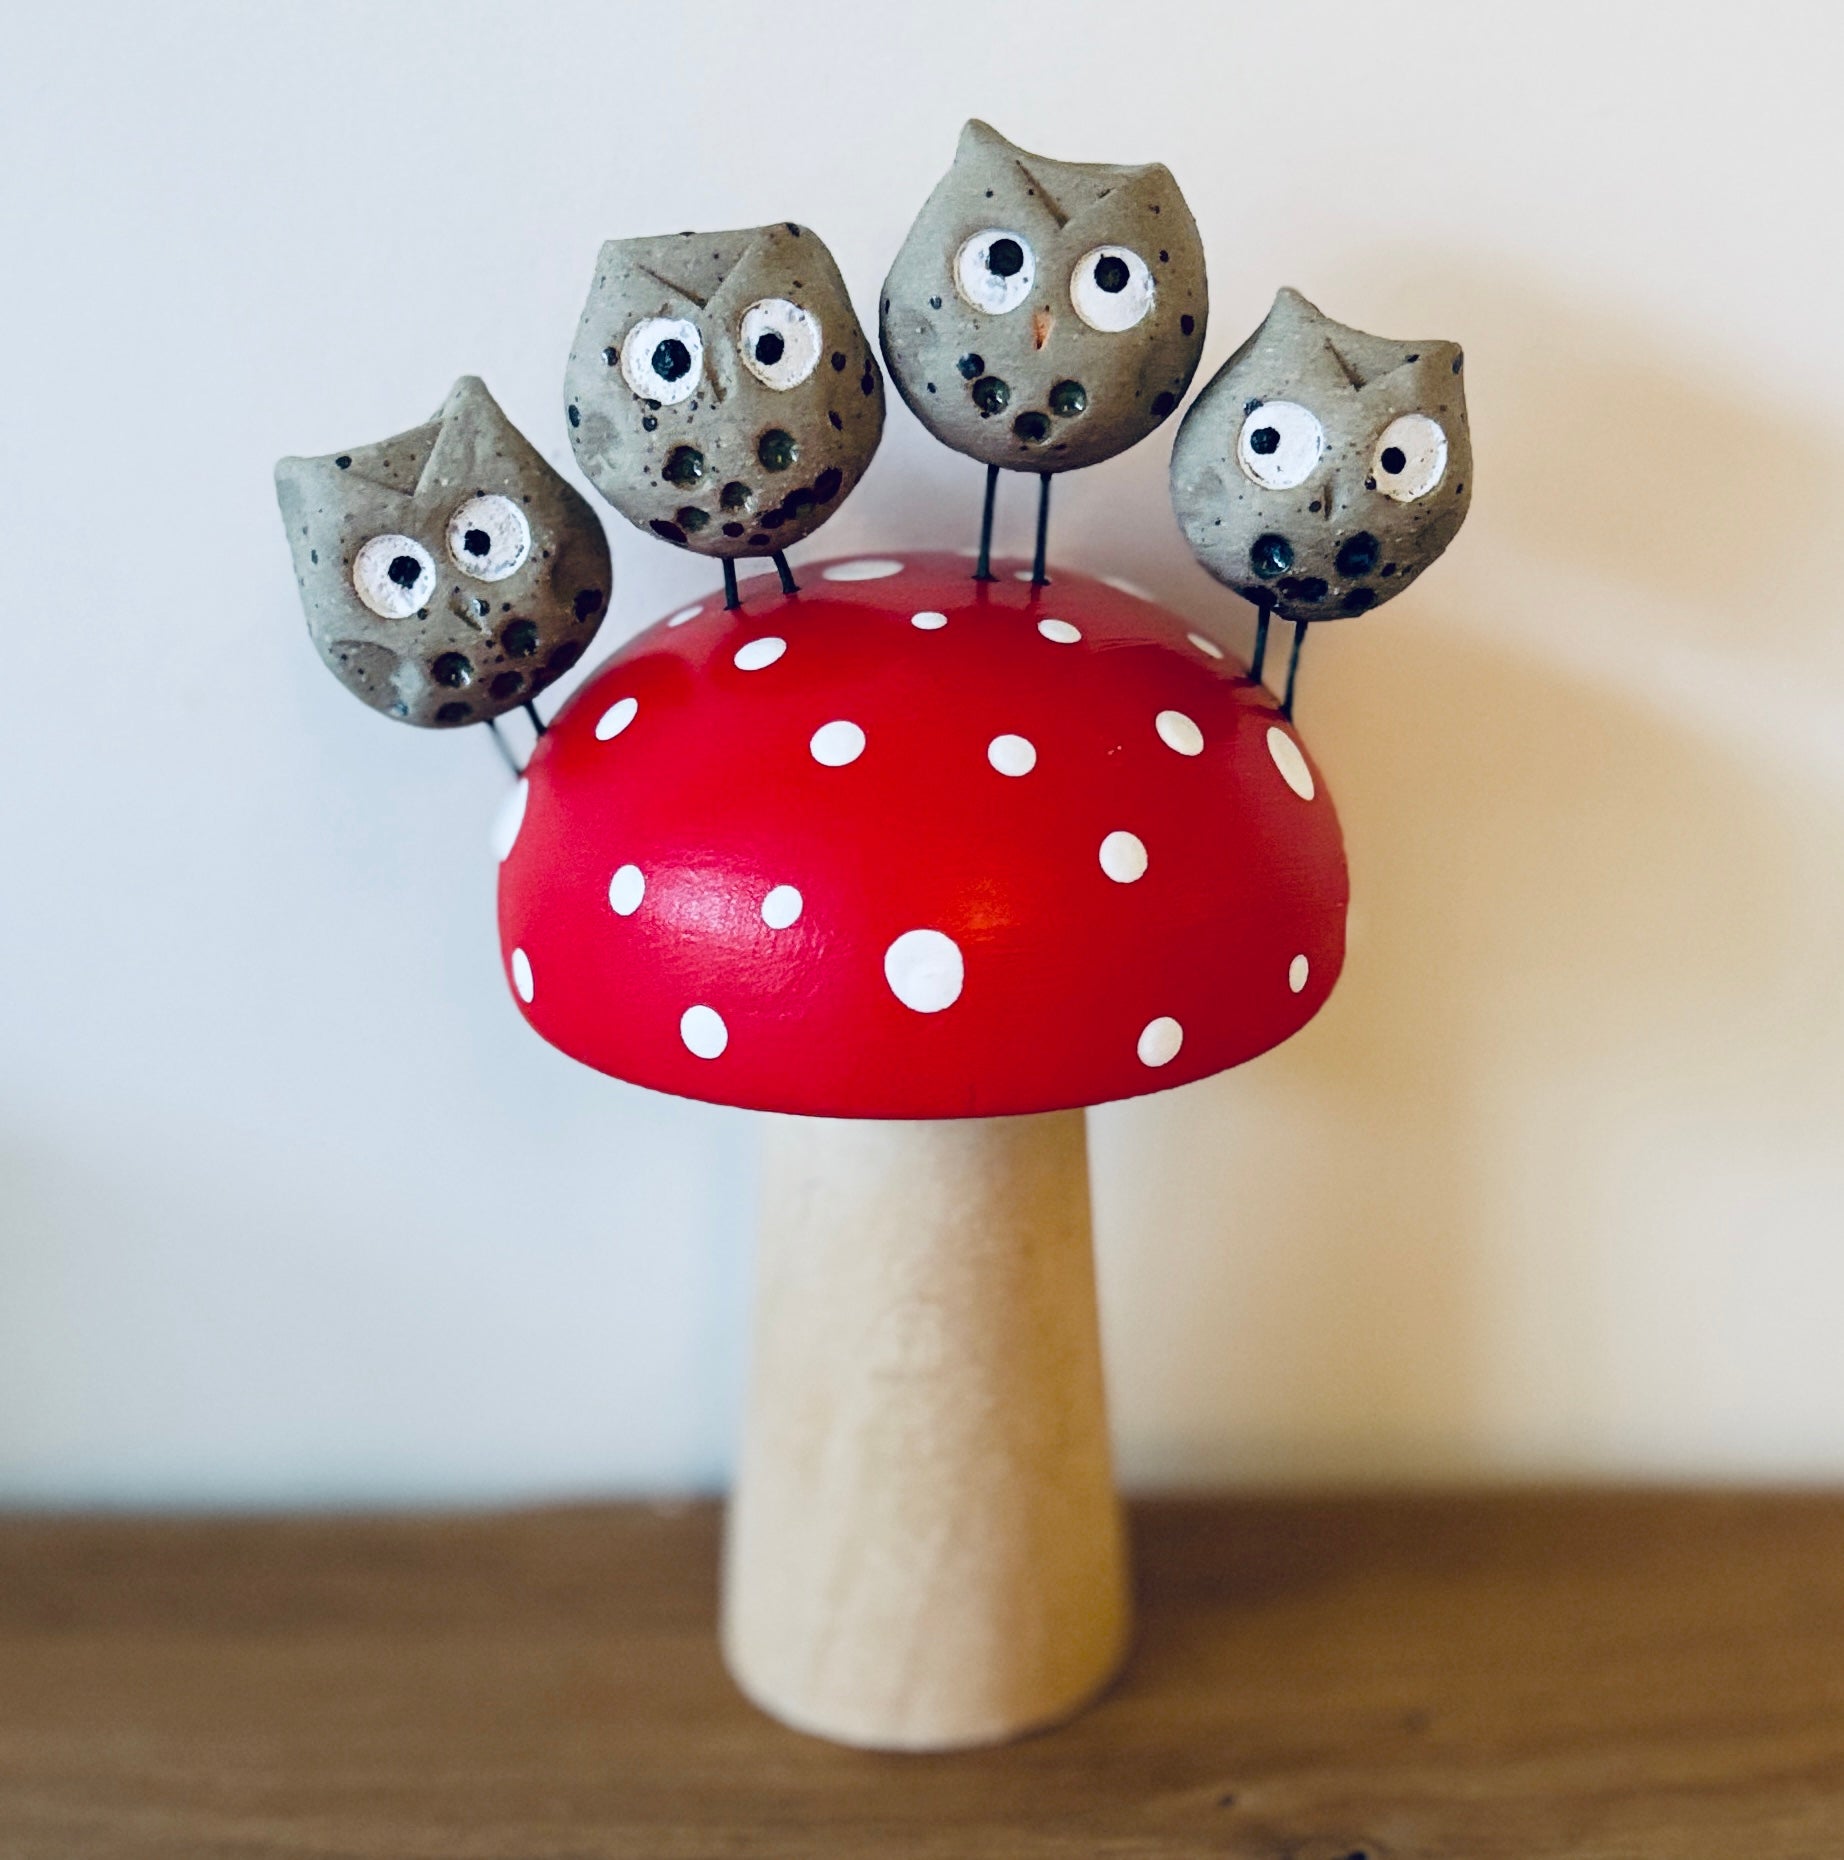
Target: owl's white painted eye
[(780, 342), (662, 359), (1410, 459), (394, 576), (1111, 288), (995, 269), (1279, 444), (489, 537)]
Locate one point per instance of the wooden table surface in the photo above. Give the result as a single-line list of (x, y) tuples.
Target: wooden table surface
[(1464, 1677)]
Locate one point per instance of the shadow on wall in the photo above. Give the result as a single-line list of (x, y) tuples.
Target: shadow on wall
[(1595, 938)]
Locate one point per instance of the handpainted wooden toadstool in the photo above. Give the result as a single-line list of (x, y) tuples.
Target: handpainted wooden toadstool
[(923, 866)]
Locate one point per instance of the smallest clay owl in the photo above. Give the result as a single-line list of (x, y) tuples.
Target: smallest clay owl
[(720, 392), (1323, 469), (448, 573)]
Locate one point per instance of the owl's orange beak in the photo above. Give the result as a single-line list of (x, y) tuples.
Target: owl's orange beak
[(1041, 321)]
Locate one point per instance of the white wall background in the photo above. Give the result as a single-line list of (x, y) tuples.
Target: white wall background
[(293, 1208)]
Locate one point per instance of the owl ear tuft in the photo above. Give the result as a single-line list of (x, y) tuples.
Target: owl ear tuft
[(294, 482), (468, 396), (394, 465), (979, 138), (1437, 356), (1292, 308), (474, 441), (688, 267), (764, 264), (1359, 357)]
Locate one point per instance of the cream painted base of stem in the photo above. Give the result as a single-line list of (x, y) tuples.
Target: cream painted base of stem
[(924, 1549)]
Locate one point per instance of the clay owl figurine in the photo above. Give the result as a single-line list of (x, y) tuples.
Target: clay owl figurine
[(721, 392), (1044, 315), (447, 574), (1323, 469)]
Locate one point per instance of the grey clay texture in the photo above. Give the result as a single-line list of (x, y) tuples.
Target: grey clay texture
[(1045, 315), (487, 573), (1323, 469), (721, 392)]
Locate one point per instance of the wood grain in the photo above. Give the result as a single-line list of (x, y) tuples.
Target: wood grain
[(925, 1549), (1449, 1678)]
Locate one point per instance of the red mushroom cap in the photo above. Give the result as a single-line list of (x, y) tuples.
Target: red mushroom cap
[(911, 845)]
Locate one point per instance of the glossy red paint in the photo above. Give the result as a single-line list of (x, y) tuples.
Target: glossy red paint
[(677, 791)]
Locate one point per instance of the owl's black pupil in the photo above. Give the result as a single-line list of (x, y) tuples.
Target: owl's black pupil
[(1005, 258), (405, 570), (477, 542), (1111, 273), (769, 349), (1392, 459), (1264, 439), (671, 359)]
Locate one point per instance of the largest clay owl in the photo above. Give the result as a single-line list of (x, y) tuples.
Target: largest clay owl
[(449, 573), (1044, 315), (721, 392)]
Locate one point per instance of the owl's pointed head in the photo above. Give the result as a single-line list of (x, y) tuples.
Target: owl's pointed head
[(1045, 315), (721, 392), (447, 573), (1324, 468)]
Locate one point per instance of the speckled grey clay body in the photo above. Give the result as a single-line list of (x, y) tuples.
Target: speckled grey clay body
[(1045, 315), (1323, 469), (721, 392), (448, 573)]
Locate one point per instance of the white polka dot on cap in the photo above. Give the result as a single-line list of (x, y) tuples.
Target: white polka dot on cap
[(759, 653), (925, 970), (626, 889), (928, 620), (1012, 755), (1159, 1041), (1177, 731), (1292, 765), (1123, 857), (1297, 972), (1060, 632), (782, 907), (703, 1031), (837, 743), (522, 976), (1127, 587), (870, 568), (616, 718)]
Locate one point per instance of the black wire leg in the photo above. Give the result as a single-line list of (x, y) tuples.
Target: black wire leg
[(1039, 575), (537, 722), (788, 584), (1261, 644), (504, 748), (983, 568), (1293, 667), (731, 599)]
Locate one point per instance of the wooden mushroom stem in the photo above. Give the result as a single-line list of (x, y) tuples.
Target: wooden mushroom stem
[(924, 1547)]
